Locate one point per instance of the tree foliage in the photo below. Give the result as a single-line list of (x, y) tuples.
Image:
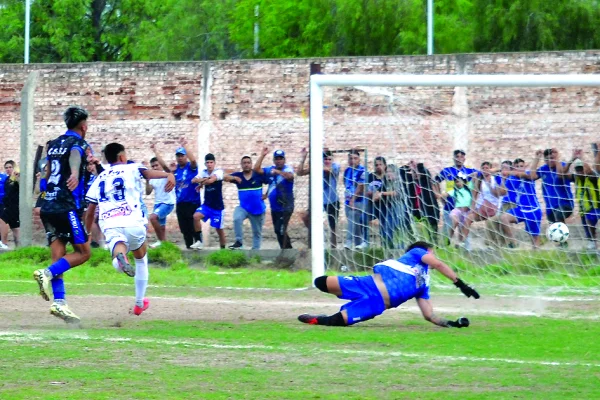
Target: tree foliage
[(122, 30)]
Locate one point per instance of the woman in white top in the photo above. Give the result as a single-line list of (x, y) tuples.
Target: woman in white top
[(487, 194)]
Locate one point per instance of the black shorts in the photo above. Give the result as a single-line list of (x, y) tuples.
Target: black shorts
[(68, 227), (559, 214), (39, 201), (11, 217)]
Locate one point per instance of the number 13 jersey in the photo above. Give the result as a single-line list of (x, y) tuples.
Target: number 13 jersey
[(117, 192)]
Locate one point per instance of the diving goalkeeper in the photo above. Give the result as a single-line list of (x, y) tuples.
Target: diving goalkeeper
[(393, 282)]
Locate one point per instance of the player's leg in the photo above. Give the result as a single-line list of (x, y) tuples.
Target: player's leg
[(239, 215), (506, 219), (366, 301), (256, 223), (217, 221), (3, 232), (154, 221), (332, 218), (137, 241), (198, 217), (118, 245), (186, 225), (287, 241)]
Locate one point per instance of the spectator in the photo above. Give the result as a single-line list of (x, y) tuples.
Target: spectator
[(331, 202), (527, 207), (462, 197), (587, 193), (449, 174), (213, 208), (9, 216), (556, 186), (164, 202), (486, 200), (354, 205), (252, 205), (381, 195), (188, 199), (280, 193), (494, 229)]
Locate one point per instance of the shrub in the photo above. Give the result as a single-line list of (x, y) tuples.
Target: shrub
[(228, 259)]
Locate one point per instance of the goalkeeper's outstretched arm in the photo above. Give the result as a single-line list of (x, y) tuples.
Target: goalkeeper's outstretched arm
[(428, 314), (433, 262)]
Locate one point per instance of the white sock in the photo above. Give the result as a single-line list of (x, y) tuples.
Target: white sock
[(141, 280), (116, 265)]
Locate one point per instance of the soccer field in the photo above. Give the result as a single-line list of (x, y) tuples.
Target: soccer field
[(209, 334)]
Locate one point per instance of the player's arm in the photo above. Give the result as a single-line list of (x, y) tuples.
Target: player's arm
[(75, 164), (149, 187), (152, 174), (427, 311), (215, 176), (232, 179), (160, 160), (301, 170), (258, 164), (90, 215), (445, 270), (191, 157)]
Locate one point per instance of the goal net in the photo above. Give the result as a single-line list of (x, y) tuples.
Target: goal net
[(478, 165)]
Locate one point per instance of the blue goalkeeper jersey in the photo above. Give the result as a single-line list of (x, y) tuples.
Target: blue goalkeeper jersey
[(405, 278)]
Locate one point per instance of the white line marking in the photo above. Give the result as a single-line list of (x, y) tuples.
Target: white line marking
[(10, 336)]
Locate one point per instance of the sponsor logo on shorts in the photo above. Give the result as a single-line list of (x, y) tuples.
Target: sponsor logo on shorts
[(74, 223)]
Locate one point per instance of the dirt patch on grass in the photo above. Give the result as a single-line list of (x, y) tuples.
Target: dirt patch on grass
[(31, 312)]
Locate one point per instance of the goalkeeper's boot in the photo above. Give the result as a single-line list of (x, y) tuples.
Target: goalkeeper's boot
[(310, 319), (63, 312), (125, 266), (43, 280), (137, 310)]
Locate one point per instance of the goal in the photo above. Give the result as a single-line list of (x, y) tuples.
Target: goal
[(414, 124)]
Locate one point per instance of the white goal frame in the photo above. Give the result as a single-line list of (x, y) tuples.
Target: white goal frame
[(317, 82)]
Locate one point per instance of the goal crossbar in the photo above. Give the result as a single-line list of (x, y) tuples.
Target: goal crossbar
[(317, 82)]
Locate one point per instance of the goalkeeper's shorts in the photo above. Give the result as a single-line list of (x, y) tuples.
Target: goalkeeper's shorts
[(366, 300)]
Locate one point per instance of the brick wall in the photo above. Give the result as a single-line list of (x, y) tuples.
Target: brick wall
[(234, 108)]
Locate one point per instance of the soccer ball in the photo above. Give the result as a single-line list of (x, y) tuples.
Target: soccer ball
[(558, 232)]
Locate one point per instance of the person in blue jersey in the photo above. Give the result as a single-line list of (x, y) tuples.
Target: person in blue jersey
[(213, 208), (355, 177), (9, 214), (188, 199), (252, 206), (331, 202), (521, 192), (3, 178), (62, 210), (392, 283), (494, 233), (556, 186), (449, 175), (280, 193)]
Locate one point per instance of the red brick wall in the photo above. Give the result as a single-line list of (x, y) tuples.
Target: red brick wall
[(234, 108)]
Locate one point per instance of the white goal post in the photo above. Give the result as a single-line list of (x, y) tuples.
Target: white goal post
[(317, 82)]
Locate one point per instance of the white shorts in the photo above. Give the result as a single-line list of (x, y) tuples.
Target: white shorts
[(132, 237)]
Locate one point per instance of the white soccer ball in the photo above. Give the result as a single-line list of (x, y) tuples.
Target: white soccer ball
[(558, 232)]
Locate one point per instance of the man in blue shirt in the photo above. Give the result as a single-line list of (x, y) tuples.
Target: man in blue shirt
[(252, 205), (280, 193), (393, 283), (449, 174), (556, 186), (213, 208), (331, 202), (354, 204), (188, 199), (527, 208)]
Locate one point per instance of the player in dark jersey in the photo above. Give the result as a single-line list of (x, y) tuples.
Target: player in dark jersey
[(393, 283), (62, 209)]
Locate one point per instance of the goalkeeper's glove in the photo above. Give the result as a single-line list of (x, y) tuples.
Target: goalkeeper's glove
[(466, 289), (462, 322)]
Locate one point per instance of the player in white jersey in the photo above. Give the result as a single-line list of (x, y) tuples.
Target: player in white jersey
[(164, 202), (116, 192)]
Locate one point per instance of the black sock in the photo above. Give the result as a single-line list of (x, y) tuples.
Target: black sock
[(333, 320)]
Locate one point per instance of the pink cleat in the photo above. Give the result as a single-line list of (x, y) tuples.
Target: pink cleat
[(137, 310)]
